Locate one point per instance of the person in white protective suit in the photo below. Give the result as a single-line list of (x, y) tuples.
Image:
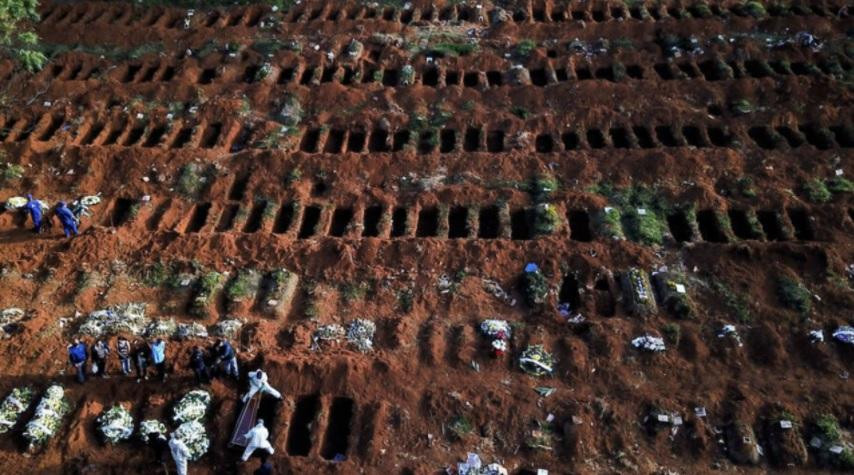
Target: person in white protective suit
[(258, 382), (180, 454), (256, 438)]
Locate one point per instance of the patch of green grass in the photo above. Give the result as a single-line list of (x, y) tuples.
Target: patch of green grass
[(460, 427), (745, 187), (525, 47), (755, 9), (12, 171), (839, 184), (648, 226), (817, 191), (736, 303), (535, 287), (155, 275), (546, 219), (543, 186), (404, 300), (453, 49), (645, 228), (293, 176), (741, 107), (828, 428), (209, 282), (794, 295), (520, 112), (610, 223), (240, 287), (353, 291), (191, 180)]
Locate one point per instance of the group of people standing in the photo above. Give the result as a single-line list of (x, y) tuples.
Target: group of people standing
[(218, 360), (141, 355)]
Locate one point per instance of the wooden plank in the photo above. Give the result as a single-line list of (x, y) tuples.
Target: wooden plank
[(246, 421)]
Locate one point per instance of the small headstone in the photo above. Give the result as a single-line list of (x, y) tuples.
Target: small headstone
[(700, 411), (815, 443), (663, 418), (642, 211), (836, 449), (680, 288), (786, 424)]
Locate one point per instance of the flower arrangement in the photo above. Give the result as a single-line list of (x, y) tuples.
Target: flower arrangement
[(194, 436), (13, 406), (536, 361), (115, 424), (150, 426), (361, 334), (49, 413), (192, 407)]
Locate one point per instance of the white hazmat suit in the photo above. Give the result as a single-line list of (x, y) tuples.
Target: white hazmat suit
[(258, 382), (256, 438), (180, 454)]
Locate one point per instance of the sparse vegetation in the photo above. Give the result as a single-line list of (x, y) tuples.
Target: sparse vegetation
[(642, 208), (12, 171), (543, 186), (404, 300), (353, 291), (736, 303), (155, 275), (545, 219), (840, 184), (794, 295), (755, 9), (240, 286), (745, 187), (460, 427), (817, 191), (15, 40), (520, 112), (535, 287), (672, 333), (525, 47), (191, 180), (741, 107)]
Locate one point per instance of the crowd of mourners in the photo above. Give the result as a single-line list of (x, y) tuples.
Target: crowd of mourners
[(218, 360)]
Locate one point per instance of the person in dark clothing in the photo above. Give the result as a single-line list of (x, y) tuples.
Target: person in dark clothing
[(140, 356), (266, 468), (66, 217), (100, 351), (197, 362), (77, 356), (160, 444), (34, 207), (226, 359), (123, 352)]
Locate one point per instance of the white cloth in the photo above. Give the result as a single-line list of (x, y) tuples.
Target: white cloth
[(259, 383), (257, 439), (180, 454)]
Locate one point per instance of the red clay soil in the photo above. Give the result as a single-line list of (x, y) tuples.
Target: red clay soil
[(396, 202)]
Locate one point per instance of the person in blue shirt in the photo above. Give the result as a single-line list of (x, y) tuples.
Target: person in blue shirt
[(34, 207), (66, 217), (77, 356), (158, 357)]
